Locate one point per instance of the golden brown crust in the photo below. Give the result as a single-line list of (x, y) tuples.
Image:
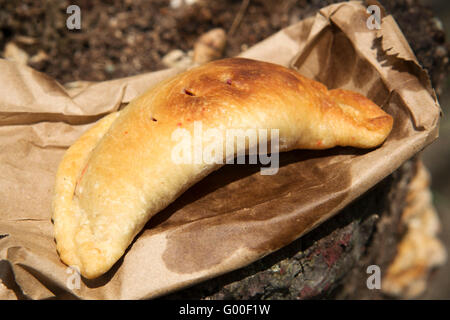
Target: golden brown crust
[(119, 173)]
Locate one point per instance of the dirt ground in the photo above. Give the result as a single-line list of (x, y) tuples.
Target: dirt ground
[(124, 38)]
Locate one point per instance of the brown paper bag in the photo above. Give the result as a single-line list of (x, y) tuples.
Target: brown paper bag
[(234, 216)]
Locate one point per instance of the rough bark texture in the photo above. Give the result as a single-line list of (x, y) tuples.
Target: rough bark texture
[(122, 38)]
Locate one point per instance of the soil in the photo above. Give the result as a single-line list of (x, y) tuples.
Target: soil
[(124, 38)]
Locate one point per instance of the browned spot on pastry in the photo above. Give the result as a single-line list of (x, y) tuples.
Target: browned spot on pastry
[(188, 92), (232, 82)]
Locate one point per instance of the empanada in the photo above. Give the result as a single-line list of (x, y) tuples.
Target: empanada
[(120, 172)]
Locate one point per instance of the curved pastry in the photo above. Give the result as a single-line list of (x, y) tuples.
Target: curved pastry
[(119, 174)]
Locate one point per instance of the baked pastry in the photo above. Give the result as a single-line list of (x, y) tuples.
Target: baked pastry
[(119, 173)]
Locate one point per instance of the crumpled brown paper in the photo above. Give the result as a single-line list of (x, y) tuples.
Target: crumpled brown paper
[(234, 216)]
